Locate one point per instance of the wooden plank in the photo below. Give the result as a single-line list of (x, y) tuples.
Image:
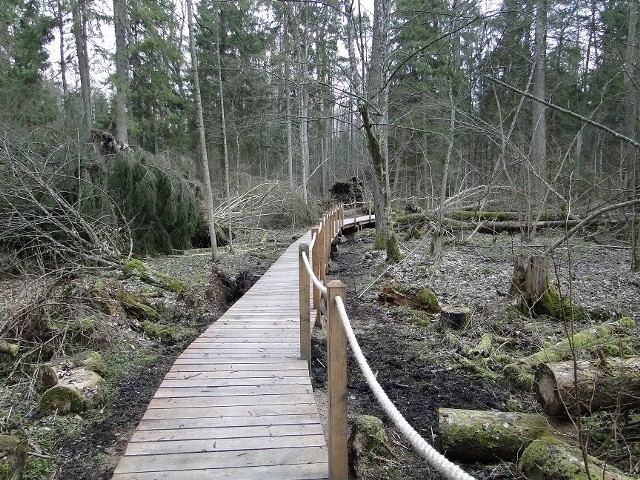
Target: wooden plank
[(236, 381), (233, 401), (237, 458), (237, 359), (309, 471), (226, 391), (163, 411), (224, 444), (212, 422), (238, 367), (252, 431)]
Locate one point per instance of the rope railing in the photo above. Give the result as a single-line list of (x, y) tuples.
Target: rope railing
[(313, 259), (436, 459), (317, 283)]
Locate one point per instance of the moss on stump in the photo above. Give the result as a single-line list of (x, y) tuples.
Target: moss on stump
[(550, 459), (13, 456), (74, 393), (368, 447)]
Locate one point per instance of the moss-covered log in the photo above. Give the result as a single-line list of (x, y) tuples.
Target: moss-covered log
[(487, 436), (603, 385), (13, 456), (75, 392), (138, 268), (550, 459), (522, 371)]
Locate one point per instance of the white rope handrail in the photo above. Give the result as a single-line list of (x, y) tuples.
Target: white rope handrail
[(313, 241), (436, 459), (312, 275)]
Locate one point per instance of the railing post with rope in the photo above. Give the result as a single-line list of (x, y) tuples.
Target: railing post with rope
[(337, 384), (315, 259), (305, 310)]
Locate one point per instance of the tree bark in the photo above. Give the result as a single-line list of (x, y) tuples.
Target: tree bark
[(485, 436), (223, 127), (376, 137), (538, 89), (122, 77), (610, 384), (202, 141), (78, 9), (550, 459)]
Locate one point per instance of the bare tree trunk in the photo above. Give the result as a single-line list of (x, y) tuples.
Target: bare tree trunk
[(63, 63), (122, 77), (202, 141), (538, 89), (630, 122), (223, 126), (377, 141), (287, 89), (80, 33)]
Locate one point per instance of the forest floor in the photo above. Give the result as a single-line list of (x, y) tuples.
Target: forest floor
[(419, 365), (423, 367)]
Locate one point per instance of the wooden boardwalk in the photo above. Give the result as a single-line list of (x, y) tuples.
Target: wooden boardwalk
[(238, 402)]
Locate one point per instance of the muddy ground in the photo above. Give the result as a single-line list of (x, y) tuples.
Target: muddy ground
[(419, 364)]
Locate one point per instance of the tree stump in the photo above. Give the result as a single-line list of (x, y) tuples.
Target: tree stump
[(13, 456), (538, 296), (608, 385), (77, 391), (454, 317)]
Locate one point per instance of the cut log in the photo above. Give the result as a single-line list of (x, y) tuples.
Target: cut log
[(487, 436), (550, 459), (608, 385), (76, 391), (522, 372), (13, 456), (454, 317)]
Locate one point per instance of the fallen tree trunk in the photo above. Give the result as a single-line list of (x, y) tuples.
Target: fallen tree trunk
[(609, 385), (485, 436), (522, 372), (550, 459)]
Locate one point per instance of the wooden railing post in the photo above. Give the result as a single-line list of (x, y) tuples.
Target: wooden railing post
[(315, 265), (369, 211), (341, 218), (337, 384), (326, 247), (305, 313)]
